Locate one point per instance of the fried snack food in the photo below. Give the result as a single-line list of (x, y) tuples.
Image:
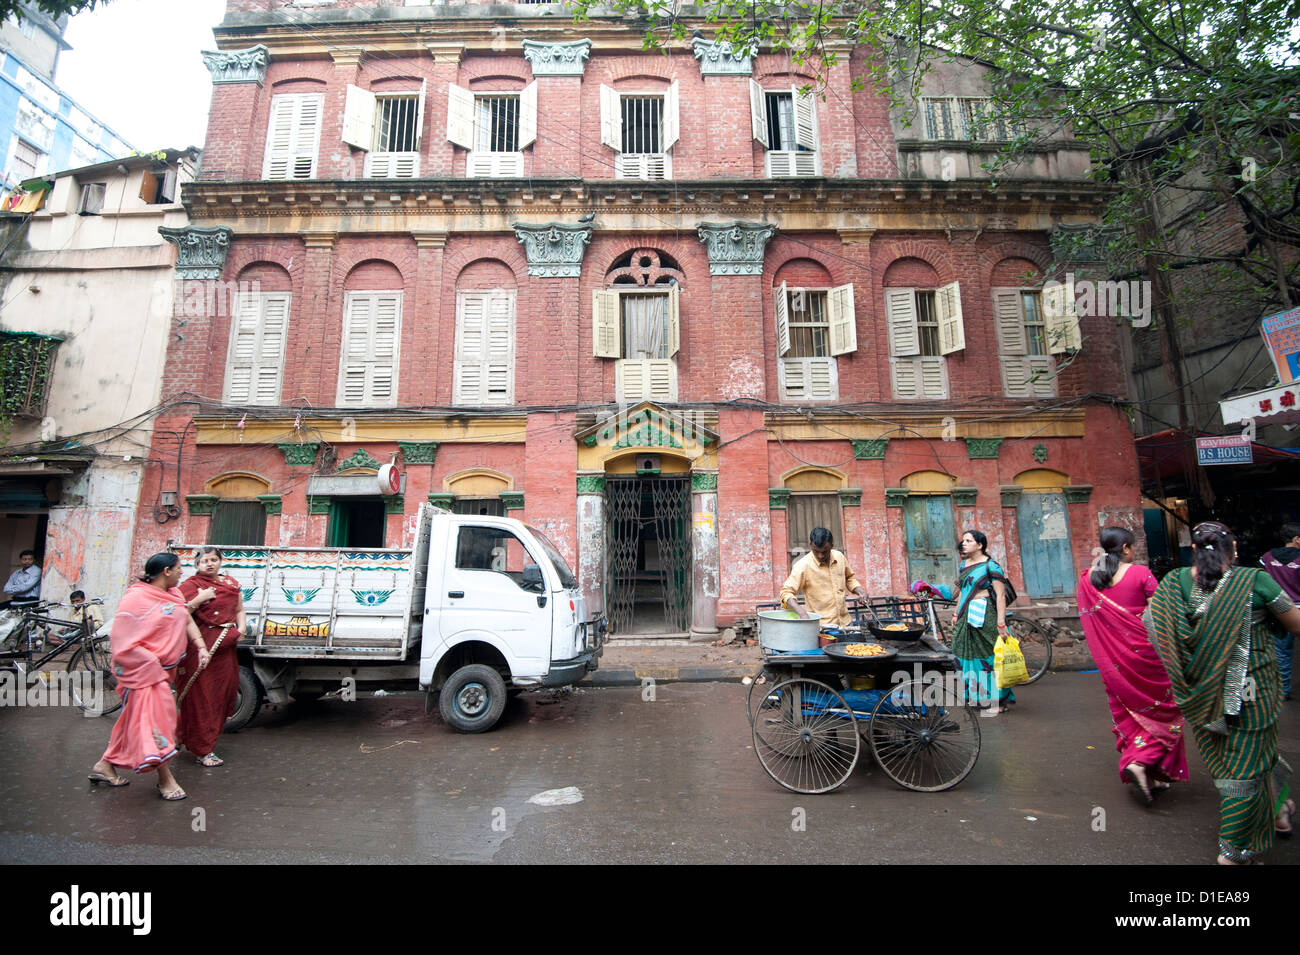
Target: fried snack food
[(894, 626), (864, 649)]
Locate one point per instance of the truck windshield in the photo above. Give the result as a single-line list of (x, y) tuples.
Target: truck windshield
[(567, 579)]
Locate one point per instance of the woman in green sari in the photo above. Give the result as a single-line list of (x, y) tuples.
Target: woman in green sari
[(1213, 626), (980, 617)]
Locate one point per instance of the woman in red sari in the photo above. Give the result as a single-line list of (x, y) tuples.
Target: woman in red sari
[(149, 637), (213, 693), (1148, 725)]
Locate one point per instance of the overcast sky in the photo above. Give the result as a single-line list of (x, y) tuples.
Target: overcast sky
[(135, 66)]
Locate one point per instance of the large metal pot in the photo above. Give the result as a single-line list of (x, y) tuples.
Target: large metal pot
[(780, 630)]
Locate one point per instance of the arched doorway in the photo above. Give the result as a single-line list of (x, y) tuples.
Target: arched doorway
[(931, 528)]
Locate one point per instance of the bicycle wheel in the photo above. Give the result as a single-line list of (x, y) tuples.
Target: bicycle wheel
[(766, 679), (94, 687), (922, 744), (1035, 644), (808, 739)]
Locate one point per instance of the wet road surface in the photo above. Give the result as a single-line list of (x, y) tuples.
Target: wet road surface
[(673, 780)]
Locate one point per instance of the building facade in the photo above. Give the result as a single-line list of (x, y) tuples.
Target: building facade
[(672, 310), (87, 284)]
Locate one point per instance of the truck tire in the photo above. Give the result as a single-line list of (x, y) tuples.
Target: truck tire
[(473, 698), (247, 703)]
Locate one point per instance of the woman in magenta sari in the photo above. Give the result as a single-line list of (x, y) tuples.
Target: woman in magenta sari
[(219, 612), (1148, 725), (149, 638)]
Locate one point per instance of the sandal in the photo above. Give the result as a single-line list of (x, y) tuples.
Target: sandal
[(171, 795), (212, 759), (1136, 774), (111, 781), (1282, 823)]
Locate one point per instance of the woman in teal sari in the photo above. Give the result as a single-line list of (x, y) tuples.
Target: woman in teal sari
[(1213, 627), (980, 617)]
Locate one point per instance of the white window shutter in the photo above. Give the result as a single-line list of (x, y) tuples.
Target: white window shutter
[(270, 359), (674, 320), (371, 340), (419, 115), (307, 135), (661, 379), (907, 383), (933, 379), (611, 118), (500, 348), (528, 115), (782, 308), (1060, 319), (794, 382), (243, 351), (900, 313), (630, 380), (780, 164), (952, 331), (471, 333), (672, 116), (805, 119), (460, 116), (606, 333), (293, 136), (1015, 376), (359, 118), (758, 112), (1042, 375), (821, 378), (279, 137), (1010, 323), (843, 321)]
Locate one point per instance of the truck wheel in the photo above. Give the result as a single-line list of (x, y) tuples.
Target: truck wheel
[(247, 703), (473, 698)]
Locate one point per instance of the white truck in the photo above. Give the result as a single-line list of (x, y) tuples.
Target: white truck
[(480, 607)]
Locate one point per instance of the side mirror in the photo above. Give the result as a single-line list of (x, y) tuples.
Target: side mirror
[(532, 578)]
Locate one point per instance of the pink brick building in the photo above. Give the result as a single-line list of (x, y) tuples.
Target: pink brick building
[(673, 310)]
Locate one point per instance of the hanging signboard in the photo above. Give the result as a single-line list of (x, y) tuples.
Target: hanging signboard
[(1227, 450), (1282, 335)]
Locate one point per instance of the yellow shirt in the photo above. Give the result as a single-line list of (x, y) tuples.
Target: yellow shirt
[(824, 588)]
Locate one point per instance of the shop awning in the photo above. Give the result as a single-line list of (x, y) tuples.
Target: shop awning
[(1277, 405)]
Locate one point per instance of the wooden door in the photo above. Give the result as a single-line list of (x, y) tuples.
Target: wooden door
[(1045, 545), (806, 511), (931, 538)]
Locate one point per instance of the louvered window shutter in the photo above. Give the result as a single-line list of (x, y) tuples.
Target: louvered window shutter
[(359, 109), (661, 375), (307, 136), (952, 330), (843, 321), (1061, 319), (500, 355), (821, 378), (293, 136), (471, 333), (793, 378), (1015, 376), (805, 119), (933, 384), (611, 119), (630, 380), (1042, 375), (270, 362), (674, 320), (243, 351), (460, 116), (1010, 323), (606, 333), (256, 364), (528, 115), (672, 117), (758, 112), (419, 117), (900, 312), (782, 304), (907, 382), (372, 330)]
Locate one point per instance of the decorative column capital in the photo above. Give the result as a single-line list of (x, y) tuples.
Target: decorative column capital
[(870, 449), (554, 250), (200, 250), (201, 505), (591, 484), (1011, 494), (557, 59), (442, 501), (512, 500), (704, 481), (735, 248), (964, 496), (360, 459), (720, 58), (237, 66), (850, 497), (299, 455), (318, 505), (983, 448), (271, 502), (395, 504), (895, 496), (419, 452), (778, 498), (430, 240), (1077, 493)]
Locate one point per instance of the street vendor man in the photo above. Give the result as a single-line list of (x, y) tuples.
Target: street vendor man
[(825, 579)]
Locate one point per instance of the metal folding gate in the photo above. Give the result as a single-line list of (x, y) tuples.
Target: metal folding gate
[(638, 510)]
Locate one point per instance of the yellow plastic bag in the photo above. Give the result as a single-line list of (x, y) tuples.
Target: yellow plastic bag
[(1009, 662)]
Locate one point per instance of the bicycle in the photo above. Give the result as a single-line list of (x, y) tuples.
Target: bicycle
[(95, 692), (1035, 639)]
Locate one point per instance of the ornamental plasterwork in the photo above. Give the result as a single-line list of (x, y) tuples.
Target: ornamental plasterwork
[(720, 58), (735, 248), (201, 250), (237, 66), (557, 59), (360, 459), (591, 484), (704, 481), (554, 250)]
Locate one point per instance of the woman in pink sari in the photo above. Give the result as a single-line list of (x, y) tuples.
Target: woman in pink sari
[(149, 637), (1148, 725)]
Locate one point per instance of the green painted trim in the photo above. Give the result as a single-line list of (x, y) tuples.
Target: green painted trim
[(870, 450), (591, 484), (299, 455), (986, 449), (1077, 493), (360, 459), (1040, 453), (318, 505), (442, 500), (704, 481), (512, 500), (1011, 494), (895, 496), (778, 498), (395, 504), (964, 496), (201, 505), (271, 502), (850, 497), (419, 452)]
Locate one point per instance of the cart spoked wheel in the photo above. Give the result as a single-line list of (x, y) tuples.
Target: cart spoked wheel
[(806, 736), (760, 693), (921, 744)]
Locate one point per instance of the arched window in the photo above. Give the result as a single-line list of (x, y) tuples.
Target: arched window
[(636, 320)]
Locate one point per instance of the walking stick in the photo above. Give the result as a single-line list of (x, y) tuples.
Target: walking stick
[(211, 652)]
